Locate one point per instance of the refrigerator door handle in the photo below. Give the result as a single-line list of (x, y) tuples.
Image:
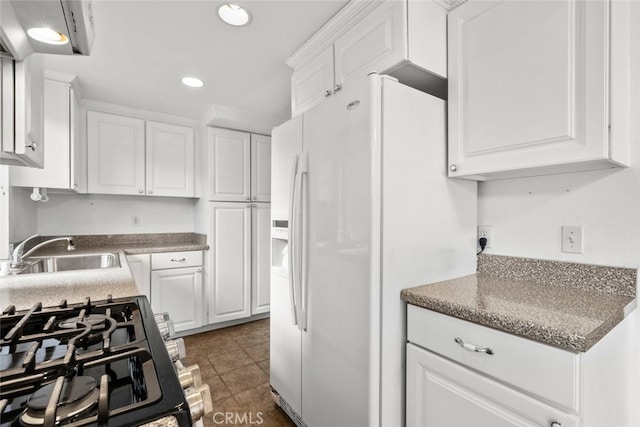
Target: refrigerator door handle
[(303, 170), (292, 237)]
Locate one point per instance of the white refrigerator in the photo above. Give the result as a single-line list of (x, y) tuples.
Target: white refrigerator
[(360, 182)]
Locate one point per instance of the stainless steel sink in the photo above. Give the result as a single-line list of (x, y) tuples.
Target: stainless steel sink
[(52, 264)]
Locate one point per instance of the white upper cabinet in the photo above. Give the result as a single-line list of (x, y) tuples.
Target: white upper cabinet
[(22, 111), (239, 166), (116, 158), (260, 168), (170, 160), (373, 44), (124, 159), (229, 165), (529, 99), (313, 82), (395, 34), (62, 159)]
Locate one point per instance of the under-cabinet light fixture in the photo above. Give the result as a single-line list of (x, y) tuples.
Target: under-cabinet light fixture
[(47, 35)]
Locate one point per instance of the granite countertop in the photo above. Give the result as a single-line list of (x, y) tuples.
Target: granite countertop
[(536, 300), (23, 291), (132, 244)]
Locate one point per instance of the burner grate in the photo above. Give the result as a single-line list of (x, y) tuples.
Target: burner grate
[(46, 348)]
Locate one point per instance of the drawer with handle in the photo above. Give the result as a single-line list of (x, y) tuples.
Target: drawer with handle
[(444, 393), (165, 260), (543, 370)]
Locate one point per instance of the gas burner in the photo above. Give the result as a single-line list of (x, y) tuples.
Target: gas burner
[(94, 363), (91, 320), (78, 395)]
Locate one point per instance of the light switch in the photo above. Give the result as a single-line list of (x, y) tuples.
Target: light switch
[(572, 239)]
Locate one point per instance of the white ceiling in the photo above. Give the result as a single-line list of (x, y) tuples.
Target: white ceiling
[(143, 48)]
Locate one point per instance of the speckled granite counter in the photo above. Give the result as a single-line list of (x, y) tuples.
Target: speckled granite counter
[(50, 288), (133, 243), (573, 316)]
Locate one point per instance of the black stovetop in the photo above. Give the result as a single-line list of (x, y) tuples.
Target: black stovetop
[(98, 363)]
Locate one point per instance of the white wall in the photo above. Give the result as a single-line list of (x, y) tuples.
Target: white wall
[(23, 215), (527, 215), (106, 214)]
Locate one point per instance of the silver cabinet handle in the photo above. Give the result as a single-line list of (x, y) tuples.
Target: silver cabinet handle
[(453, 168), (150, 192), (248, 198), (337, 88), (556, 424), (140, 191), (327, 93), (199, 270), (33, 146), (248, 205), (178, 259), (254, 198), (472, 347)]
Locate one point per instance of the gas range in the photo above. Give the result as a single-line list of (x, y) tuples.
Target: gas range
[(101, 363)]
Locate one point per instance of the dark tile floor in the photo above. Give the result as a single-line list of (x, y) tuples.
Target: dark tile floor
[(234, 362)]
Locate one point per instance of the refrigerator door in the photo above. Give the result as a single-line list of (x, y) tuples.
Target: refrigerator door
[(286, 341), (336, 256)]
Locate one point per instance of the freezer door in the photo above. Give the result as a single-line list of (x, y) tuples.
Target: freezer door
[(335, 288), (286, 341)]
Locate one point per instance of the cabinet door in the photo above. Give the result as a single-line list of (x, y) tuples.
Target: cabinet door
[(443, 393), (260, 257), (312, 82), (525, 96), (140, 266), (28, 144), (373, 44), (78, 146), (115, 154), (260, 168), (57, 167), (178, 291), (229, 165), (230, 252), (170, 160)]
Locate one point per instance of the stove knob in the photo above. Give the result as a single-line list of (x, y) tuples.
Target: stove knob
[(161, 317), (199, 401), (176, 349), (190, 376), (166, 329)]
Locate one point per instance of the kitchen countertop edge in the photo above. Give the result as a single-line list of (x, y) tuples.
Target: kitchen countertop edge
[(563, 338)]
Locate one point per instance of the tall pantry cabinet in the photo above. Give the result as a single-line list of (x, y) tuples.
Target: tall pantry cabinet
[(239, 224)]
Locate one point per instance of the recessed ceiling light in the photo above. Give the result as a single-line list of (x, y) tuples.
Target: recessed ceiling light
[(234, 15), (192, 82), (47, 35)]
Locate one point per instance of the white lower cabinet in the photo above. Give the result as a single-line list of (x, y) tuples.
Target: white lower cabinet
[(140, 266), (461, 374), (239, 260), (443, 393), (260, 258), (177, 288)]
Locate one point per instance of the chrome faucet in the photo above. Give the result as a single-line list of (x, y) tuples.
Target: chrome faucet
[(17, 256)]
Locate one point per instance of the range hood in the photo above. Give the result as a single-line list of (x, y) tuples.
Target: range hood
[(73, 18)]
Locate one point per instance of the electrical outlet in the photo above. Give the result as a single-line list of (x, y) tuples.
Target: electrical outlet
[(135, 220), (572, 239), (485, 231)]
